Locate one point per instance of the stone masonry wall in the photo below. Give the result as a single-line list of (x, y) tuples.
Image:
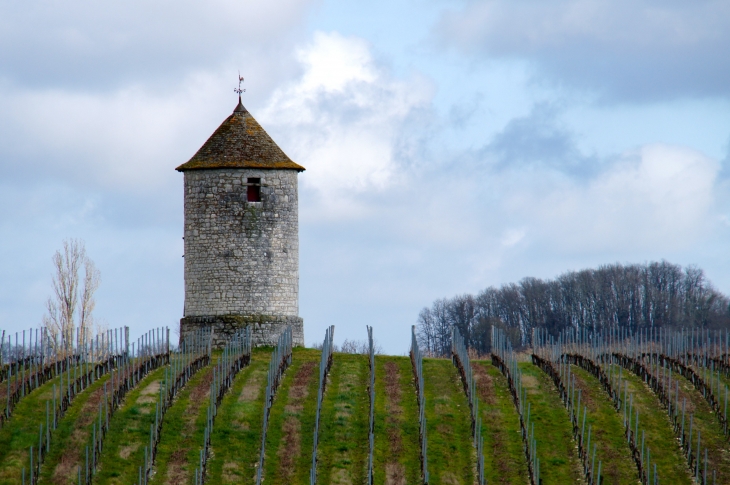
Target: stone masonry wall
[(264, 330), (241, 258)]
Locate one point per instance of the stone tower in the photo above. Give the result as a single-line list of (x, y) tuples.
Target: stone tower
[(241, 235)]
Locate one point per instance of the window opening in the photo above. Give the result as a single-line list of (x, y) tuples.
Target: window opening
[(254, 190)]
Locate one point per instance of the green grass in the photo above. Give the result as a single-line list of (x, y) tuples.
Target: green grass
[(236, 438), (397, 448), (718, 455), (710, 377), (183, 429), (73, 434), (343, 443), (451, 456), (21, 432), (711, 436), (720, 394), (556, 449), (504, 457), (659, 435), (607, 432), (129, 433), (291, 424)]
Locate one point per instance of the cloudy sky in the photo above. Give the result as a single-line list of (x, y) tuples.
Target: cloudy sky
[(450, 145)]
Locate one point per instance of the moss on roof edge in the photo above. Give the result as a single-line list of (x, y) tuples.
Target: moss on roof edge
[(203, 165)]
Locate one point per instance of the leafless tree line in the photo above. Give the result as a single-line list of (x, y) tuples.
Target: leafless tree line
[(657, 294)]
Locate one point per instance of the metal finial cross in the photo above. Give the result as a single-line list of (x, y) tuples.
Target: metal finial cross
[(240, 80)]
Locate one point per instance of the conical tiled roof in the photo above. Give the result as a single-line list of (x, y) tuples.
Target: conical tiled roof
[(240, 142)]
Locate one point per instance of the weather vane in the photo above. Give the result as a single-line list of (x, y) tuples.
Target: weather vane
[(239, 90)]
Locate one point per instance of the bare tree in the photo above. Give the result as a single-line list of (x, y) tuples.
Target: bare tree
[(426, 333), (92, 279), (70, 293)]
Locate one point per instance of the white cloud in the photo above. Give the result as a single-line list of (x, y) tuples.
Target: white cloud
[(343, 120), (115, 96), (130, 140), (660, 197), (333, 61)]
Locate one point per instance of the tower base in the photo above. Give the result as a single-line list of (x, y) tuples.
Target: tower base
[(265, 329)]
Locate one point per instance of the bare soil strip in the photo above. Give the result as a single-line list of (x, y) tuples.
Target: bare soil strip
[(612, 449), (291, 421), (451, 457), (128, 434), (237, 435), (343, 444), (505, 461), (289, 450), (556, 448), (181, 436), (395, 472), (397, 446), (62, 469)]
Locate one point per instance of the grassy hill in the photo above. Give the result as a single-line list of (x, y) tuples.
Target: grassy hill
[(235, 440)]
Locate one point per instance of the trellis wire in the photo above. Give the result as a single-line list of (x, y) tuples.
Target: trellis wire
[(91, 359), (194, 354), (653, 355), (236, 355), (565, 382), (371, 396), (503, 357), (280, 359), (88, 362), (325, 363), (417, 364), (460, 358), (25, 367)]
